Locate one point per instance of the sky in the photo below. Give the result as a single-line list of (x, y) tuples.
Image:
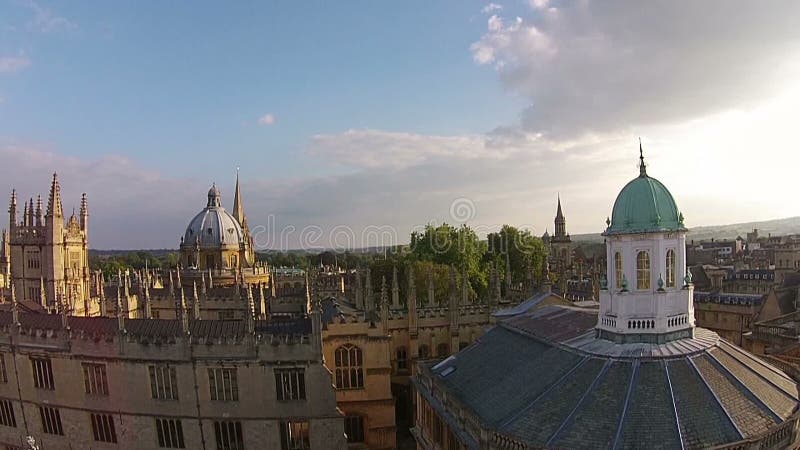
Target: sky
[(353, 123)]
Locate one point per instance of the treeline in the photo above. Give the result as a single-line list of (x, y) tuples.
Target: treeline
[(132, 260)]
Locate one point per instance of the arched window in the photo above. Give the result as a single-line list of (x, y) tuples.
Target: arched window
[(349, 370), (618, 270), (670, 268), (402, 359), (424, 352), (642, 270), (442, 350)]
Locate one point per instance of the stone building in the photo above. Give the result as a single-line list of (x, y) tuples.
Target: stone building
[(102, 382), (560, 243), (216, 239), (48, 259), (637, 373)]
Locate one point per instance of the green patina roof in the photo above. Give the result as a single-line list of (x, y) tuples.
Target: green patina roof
[(644, 205)]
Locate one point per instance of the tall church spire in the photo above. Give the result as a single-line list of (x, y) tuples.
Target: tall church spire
[(238, 210), (561, 222), (54, 202)]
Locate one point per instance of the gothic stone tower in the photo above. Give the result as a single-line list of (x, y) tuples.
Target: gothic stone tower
[(50, 259), (560, 243), (645, 298)]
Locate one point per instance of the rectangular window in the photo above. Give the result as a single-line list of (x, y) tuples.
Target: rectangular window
[(7, 414), (294, 435), (51, 420), (103, 428), (290, 384), (43, 373), (229, 435), (94, 379), (170, 433), (223, 384), (163, 382), (3, 372), (354, 428)]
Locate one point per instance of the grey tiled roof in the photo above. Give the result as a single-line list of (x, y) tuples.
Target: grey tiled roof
[(563, 390)]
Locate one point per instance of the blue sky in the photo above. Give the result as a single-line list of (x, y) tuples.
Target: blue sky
[(356, 115), (184, 87)]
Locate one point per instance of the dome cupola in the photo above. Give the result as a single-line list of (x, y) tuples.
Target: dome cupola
[(644, 205), (214, 226)]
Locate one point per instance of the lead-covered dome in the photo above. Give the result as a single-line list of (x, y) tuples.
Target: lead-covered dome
[(213, 226), (644, 205)]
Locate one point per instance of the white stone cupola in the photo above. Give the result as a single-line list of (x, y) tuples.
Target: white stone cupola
[(645, 296)]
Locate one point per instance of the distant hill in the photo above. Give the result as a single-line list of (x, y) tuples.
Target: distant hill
[(790, 225)]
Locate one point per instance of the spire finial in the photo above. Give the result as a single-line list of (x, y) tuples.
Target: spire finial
[(642, 165)]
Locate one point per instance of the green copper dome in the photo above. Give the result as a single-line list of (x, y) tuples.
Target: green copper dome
[(644, 205)]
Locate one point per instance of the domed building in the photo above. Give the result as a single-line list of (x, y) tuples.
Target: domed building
[(217, 240), (635, 373)]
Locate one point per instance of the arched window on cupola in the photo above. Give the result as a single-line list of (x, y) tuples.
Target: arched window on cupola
[(618, 270), (642, 270), (670, 268)]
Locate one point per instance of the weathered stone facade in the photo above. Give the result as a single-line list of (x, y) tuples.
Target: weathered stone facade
[(48, 259), (205, 384)]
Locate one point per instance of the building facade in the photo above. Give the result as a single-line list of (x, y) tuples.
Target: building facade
[(96, 383), (48, 259)]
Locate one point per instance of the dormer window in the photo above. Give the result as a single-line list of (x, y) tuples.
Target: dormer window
[(210, 231)]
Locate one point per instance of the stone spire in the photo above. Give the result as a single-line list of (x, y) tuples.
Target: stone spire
[(384, 306), (210, 279), (42, 292), (84, 213), (14, 306), (54, 201), (395, 289), (251, 310), (39, 214), (148, 307), (103, 308), (464, 286), (238, 210), (369, 305), (120, 314), (453, 306), (63, 307), (195, 302), (560, 222), (494, 297), (431, 291), (12, 211), (29, 214), (184, 314), (171, 286), (411, 302), (508, 274), (262, 302), (203, 284)]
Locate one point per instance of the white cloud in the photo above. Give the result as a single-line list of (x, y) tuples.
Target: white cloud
[(9, 64), (266, 119), (600, 66), (491, 7), (46, 20), (539, 4)]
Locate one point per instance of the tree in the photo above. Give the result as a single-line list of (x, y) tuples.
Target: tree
[(526, 253), (450, 246)]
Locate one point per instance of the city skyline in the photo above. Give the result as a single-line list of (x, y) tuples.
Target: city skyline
[(361, 114)]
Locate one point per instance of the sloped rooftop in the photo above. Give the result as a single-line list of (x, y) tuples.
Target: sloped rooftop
[(543, 379)]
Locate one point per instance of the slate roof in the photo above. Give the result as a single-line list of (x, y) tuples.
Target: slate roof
[(157, 327), (544, 380)]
